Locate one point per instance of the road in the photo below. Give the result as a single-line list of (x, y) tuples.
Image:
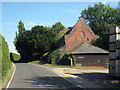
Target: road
[(34, 76)]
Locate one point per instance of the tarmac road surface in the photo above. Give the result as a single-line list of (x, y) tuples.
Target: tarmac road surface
[(34, 76)]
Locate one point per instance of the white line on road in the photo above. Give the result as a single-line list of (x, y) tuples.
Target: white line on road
[(69, 81), (11, 78), (62, 77)]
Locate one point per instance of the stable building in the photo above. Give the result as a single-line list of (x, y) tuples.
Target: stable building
[(78, 41), (89, 55)]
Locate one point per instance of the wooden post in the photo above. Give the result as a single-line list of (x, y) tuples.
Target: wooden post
[(71, 62)]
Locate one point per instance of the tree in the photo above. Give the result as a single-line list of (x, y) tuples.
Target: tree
[(21, 27), (32, 44), (57, 27), (18, 39), (100, 18), (57, 30)]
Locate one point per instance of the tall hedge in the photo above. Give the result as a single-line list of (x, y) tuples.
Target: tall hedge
[(4, 59)]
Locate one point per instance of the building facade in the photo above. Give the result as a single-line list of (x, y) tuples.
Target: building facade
[(80, 33)]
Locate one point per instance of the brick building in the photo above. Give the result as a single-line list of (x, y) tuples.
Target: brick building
[(78, 42), (80, 33)]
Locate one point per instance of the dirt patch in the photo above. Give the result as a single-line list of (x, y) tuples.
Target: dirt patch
[(89, 78)]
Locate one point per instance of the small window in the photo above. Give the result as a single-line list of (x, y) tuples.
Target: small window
[(83, 35), (88, 39), (75, 39)]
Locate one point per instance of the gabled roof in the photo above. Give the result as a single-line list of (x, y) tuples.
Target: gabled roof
[(88, 48), (80, 22)]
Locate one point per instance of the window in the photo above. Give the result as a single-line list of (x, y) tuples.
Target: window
[(83, 35), (88, 39), (75, 39)]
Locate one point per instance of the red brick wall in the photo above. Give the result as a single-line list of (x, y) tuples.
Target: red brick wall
[(75, 37)]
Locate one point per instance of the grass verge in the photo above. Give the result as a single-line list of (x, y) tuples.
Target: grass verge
[(72, 67), (7, 77)]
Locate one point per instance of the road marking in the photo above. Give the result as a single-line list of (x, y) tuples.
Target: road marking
[(59, 75), (69, 80), (11, 78)]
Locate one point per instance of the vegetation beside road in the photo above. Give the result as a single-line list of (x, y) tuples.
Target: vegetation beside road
[(38, 62), (5, 63), (14, 57)]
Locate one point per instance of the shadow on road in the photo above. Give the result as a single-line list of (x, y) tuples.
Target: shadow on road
[(18, 61), (53, 83), (102, 79)]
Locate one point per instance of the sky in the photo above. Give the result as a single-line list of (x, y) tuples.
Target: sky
[(40, 13)]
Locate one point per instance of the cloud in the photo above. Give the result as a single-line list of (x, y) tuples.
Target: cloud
[(31, 23), (104, 2), (71, 11)]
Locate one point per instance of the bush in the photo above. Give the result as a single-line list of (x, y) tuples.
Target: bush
[(66, 60), (61, 57), (52, 56), (14, 57)]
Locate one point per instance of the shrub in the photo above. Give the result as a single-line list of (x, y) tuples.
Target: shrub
[(66, 60), (61, 57), (14, 57), (51, 57)]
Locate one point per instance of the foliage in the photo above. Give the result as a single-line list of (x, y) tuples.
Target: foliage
[(32, 44), (58, 31), (21, 27), (106, 66), (14, 57), (74, 60), (69, 28), (52, 56), (100, 19), (61, 58), (45, 57), (4, 59), (66, 59)]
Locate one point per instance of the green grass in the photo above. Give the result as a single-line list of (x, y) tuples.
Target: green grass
[(7, 77), (73, 67), (5, 61)]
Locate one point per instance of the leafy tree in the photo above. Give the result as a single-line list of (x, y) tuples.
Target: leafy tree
[(57, 30), (69, 28), (18, 39), (21, 27), (32, 44), (57, 27), (100, 18)]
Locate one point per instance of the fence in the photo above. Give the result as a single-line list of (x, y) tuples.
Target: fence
[(114, 51)]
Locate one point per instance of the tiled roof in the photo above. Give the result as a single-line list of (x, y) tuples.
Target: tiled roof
[(88, 48)]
